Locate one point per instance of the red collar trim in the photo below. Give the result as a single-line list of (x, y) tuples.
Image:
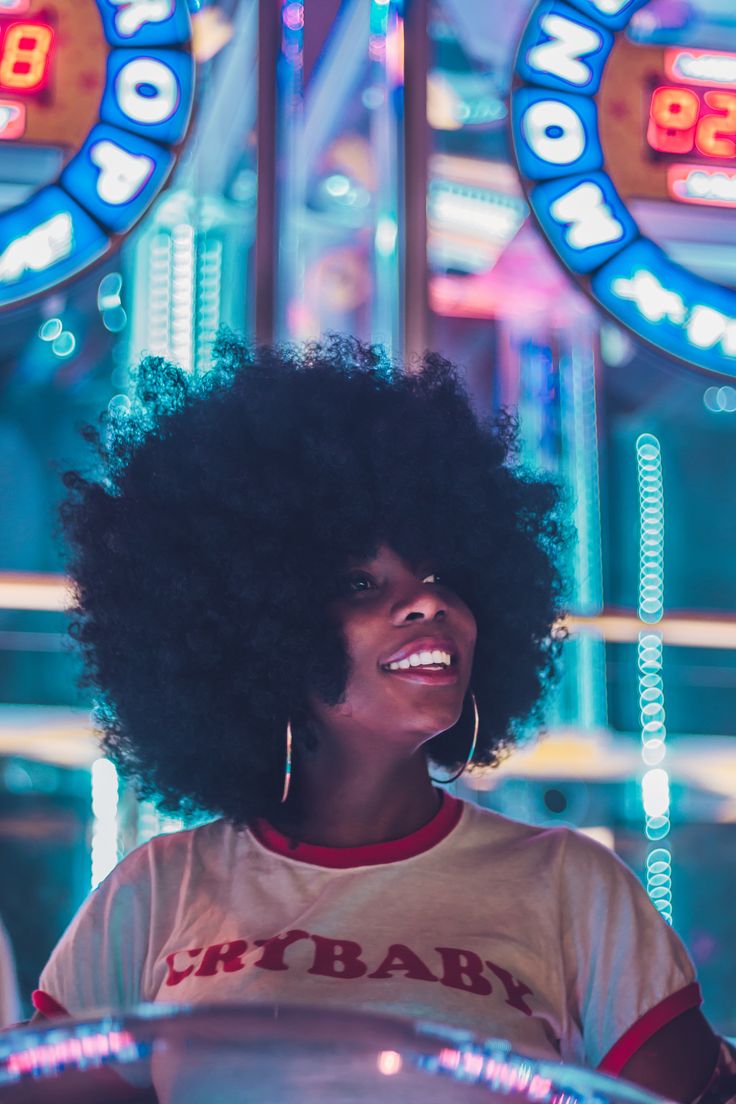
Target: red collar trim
[(372, 854)]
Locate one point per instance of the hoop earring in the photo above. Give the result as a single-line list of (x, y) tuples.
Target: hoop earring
[(287, 771), (442, 781), (454, 777)]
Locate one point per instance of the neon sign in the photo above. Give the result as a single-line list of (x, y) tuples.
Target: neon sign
[(140, 84), (24, 56), (560, 67)]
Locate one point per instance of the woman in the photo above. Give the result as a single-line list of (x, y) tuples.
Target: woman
[(300, 579)]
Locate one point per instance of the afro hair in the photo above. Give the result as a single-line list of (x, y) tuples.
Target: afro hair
[(208, 542)]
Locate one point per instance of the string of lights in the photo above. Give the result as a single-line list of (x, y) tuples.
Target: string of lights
[(655, 786)]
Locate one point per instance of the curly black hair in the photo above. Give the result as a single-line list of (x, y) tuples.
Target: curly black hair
[(207, 545)]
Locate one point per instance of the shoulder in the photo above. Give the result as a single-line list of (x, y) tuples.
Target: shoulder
[(494, 829), (565, 854), (170, 855)]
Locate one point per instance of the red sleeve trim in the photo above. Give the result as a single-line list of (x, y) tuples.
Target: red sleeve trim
[(649, 1024), (46, 1005)]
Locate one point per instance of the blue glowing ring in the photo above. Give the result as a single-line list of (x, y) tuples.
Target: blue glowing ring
[(122, 165), (562, 54)]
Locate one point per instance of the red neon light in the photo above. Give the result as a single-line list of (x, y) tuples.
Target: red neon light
[(711, 135), (673, 116), (679, 122), (25, 56)]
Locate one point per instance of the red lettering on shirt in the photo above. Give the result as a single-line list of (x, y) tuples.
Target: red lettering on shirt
[(274, 948), (464, 970), (331, 953), (343, 958), (515, 990), (399, 957), (174, 976), (227, 954)]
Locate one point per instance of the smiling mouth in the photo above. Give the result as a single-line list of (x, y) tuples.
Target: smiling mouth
[(426, 659), (433, 672)]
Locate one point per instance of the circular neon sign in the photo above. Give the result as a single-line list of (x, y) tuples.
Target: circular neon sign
[(572, 176), (106, 88)]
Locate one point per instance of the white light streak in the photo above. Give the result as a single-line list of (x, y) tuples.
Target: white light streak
[(105, 819)]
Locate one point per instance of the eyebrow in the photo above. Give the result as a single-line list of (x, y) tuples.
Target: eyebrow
[(353, 563)]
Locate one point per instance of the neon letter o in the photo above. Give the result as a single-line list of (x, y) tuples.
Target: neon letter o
[(539, 123), (147, 109)]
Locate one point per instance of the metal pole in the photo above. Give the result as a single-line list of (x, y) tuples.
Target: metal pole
[(415, 175), (269, 31)]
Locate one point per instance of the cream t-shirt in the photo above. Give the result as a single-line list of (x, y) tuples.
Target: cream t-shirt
[(539, 936)]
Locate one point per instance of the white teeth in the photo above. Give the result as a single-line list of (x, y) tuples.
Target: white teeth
[(422, 659)]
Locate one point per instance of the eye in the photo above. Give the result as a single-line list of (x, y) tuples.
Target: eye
[(437, 578), (357, 582)]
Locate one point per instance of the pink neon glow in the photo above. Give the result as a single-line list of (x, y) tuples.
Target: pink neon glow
[(294, 16), (50, 1056), (499, 1073)]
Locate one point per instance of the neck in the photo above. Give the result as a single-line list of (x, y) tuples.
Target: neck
[(352, 804)]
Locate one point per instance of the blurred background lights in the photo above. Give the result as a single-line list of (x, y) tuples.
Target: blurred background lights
[(651, 503), (372, 97), (389, 1062), (64, 345), (108, 292), (114, 319), (119, 404), (386, 234), (720, 400), (655, 788), (655, 783), (294, 16), (337, 185), (50, 329), (617, 347)]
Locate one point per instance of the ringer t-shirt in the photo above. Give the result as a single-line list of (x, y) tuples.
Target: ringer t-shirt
[(539, 936)]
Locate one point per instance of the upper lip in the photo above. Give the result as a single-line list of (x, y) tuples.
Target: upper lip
[(423, 644)]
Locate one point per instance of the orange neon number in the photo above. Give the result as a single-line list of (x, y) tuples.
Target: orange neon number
[(711, 137), (24, 57), (673, 116)]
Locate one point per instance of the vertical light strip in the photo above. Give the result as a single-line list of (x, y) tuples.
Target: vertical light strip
[(182, 294), (104, 819), (209, 297), (386, 74), (155, 304), (293, 160), (580, 455), (655, 786)]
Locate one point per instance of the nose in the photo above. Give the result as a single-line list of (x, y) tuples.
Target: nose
[(420, 604)]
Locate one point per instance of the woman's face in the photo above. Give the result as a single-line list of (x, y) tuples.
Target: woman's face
[(396, 618)]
